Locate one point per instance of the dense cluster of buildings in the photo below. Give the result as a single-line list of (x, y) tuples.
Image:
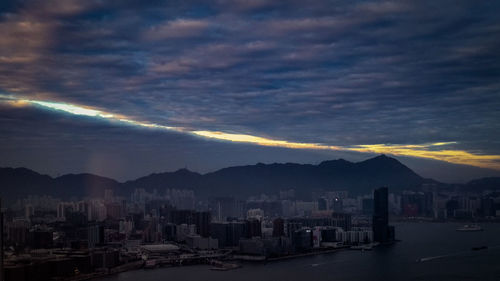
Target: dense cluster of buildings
[(44, 235)]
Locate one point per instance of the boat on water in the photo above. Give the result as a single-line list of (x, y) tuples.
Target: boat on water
[(365, 247), (224, 266), (150, 264), (431, 258), (368, 247), (479, 248), (470, 228)]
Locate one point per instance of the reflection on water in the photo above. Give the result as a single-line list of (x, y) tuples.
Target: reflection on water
[(449, 257)]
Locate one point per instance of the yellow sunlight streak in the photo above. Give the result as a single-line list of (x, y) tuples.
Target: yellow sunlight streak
[(428, 150)]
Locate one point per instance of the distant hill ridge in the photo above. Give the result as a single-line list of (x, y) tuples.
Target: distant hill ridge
[(240, 181)]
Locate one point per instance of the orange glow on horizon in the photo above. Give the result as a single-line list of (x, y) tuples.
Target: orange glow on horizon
[(433, 151)]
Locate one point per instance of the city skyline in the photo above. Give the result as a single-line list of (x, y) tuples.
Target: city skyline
[(249, 140)]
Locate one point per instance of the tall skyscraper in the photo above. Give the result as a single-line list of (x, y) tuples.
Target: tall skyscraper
[(1, 243), (382, 232), (278, 227), (253, 228), (108, 195), (95, 235), (202, 221), (225, 207)]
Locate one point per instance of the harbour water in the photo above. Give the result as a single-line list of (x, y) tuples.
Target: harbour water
[(446, 255)]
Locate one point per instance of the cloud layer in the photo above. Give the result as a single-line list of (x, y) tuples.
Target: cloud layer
[(429, 150), (326, 72)]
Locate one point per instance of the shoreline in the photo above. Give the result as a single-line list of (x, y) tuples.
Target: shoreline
[(431, 220), (103, 274), (316, 253), (141, 264)]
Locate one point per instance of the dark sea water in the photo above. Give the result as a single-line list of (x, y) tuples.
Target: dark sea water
[(456, 261)]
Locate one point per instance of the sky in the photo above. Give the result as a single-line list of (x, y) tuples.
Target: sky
[(126, 88)]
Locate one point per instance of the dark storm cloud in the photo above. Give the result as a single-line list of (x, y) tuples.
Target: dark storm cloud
[(341, 73)]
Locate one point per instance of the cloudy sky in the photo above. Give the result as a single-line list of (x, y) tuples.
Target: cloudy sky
[(125, 88)]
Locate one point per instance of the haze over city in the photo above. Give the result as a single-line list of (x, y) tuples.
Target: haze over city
[(249, 140)]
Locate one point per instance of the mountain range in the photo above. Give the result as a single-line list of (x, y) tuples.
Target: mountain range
[(239, 181)]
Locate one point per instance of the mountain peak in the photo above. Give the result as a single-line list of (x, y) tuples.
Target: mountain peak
[(182, 170), (336, 163), (383, 158), (389, 166), (185, 171), (240, 181)]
